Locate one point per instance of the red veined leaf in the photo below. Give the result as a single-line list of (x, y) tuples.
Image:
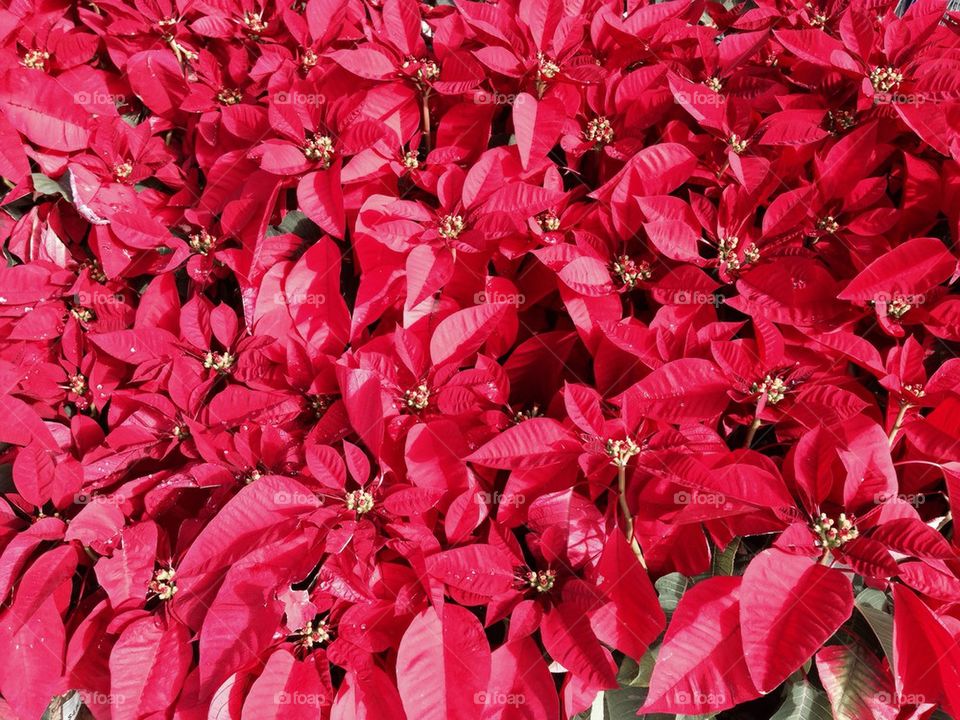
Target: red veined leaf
[(856, 684), (287, 688), (700, 667), (790, 606), (40, 108), (148, 664), (537, 125), (443, 665), (480, 569), (919, 637), (463, 333), (532, 443), (683, 390), (911, 268)]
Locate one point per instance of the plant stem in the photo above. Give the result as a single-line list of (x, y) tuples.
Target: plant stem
[(627, 516), (751, 432), (172, 42), (899, 421), (425, 104), (827, 558)]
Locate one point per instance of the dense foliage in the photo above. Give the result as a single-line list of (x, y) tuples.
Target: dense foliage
[(501, 360)]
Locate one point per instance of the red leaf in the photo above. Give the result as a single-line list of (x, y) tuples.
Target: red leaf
[(321, 199), (443, 666), (33, 473), (480, 569), (532, 443), (39, 107), (680, 391), (790, 606), (926, 656), (147, 667), (908, 269), (537, 125), (287, 688), (461, 334), (700, 667), (633, 618)]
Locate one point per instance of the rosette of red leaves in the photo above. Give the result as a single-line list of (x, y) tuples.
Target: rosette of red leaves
[(478, 360)]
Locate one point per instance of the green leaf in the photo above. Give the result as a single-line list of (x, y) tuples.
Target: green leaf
[(68, 706), (622, 704), (297, 223), (876, 599), (634, 674), (48, 186), (804, 702), (671, 588), (871, 604), (852, 678), (724, 562)]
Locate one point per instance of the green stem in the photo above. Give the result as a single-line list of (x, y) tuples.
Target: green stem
[(425, 103), (898, 422), (752, 432), (627, 515)]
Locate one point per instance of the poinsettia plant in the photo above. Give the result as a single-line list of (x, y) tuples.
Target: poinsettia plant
[(479, 360)]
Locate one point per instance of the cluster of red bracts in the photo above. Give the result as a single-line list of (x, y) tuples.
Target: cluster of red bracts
[(479, 361)]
